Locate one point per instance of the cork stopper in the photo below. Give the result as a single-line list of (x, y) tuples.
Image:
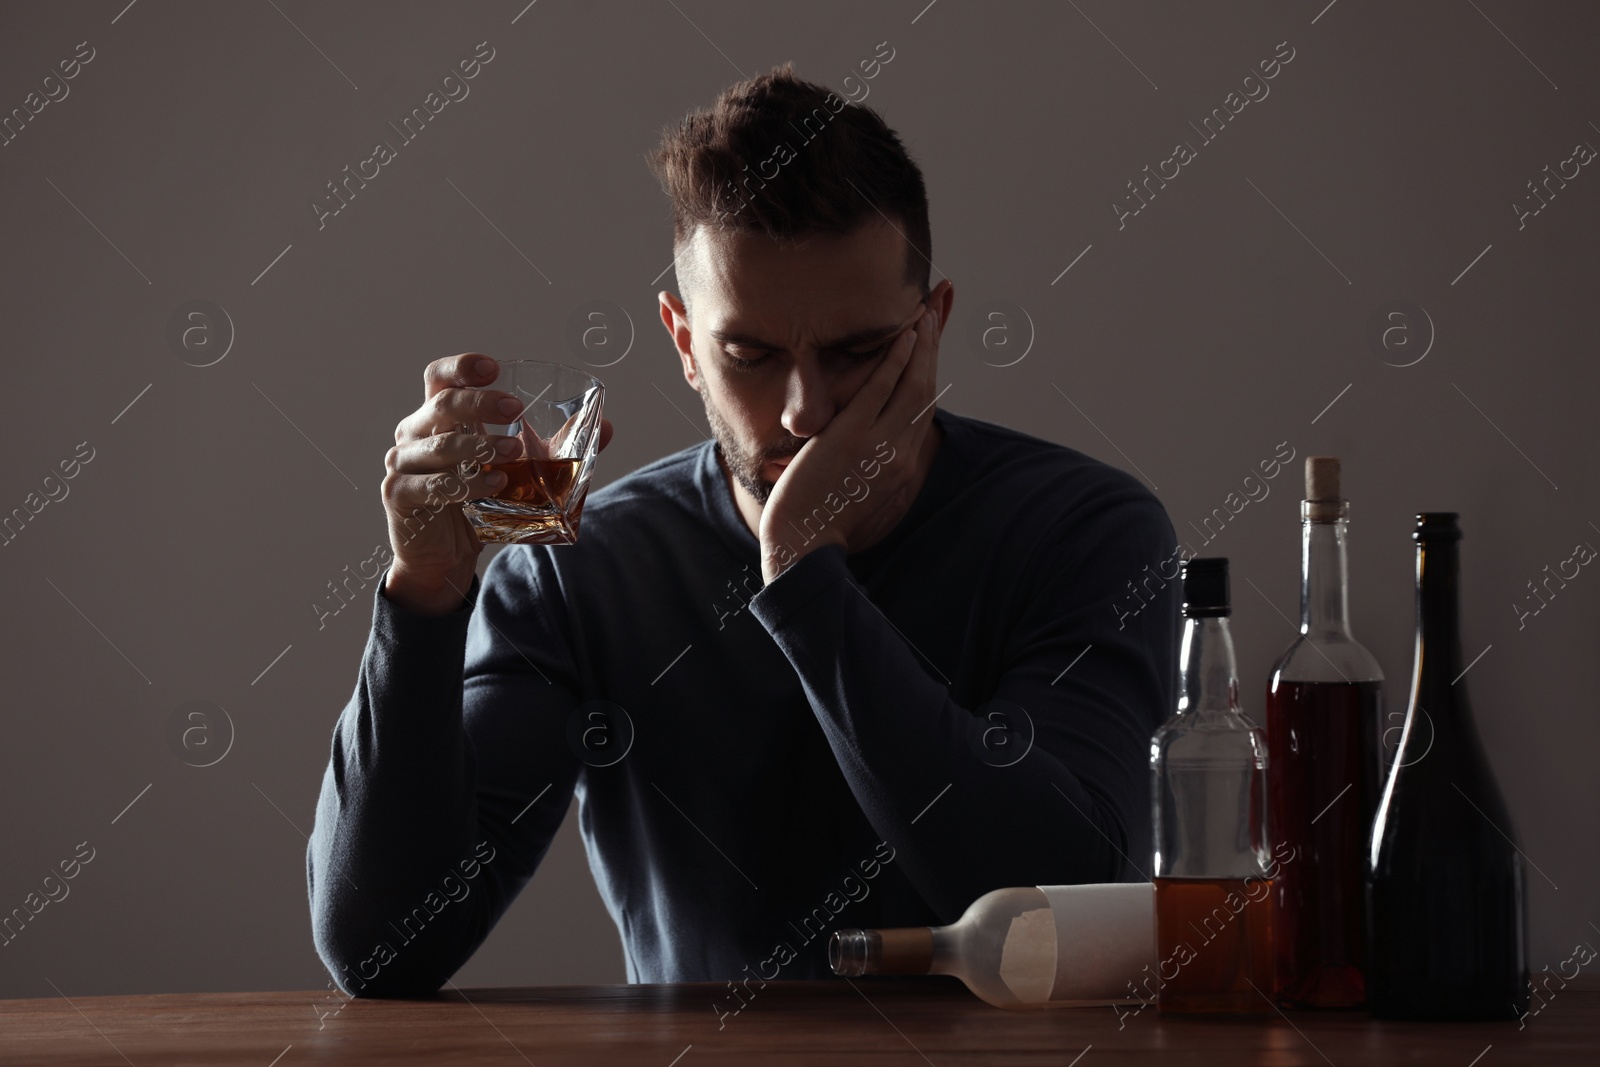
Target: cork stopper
[(1322, 478), (1323, 502)]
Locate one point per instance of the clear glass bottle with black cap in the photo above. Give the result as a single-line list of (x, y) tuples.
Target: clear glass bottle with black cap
[(1213, 866), (1446, 910), (1324, 721)]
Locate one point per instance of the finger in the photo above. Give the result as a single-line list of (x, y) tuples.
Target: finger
[(450, 451), (466, 369), (452, 408), (605, 433), (928, 355), (868, 404), (915, 390), (916, 319), (406, 492)]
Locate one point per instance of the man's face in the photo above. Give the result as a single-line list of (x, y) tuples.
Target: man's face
[(810, 323)]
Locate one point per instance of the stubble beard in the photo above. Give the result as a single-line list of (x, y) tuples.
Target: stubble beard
[(745, 468)]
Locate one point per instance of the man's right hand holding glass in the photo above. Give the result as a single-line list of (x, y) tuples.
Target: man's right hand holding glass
[(432, 469)]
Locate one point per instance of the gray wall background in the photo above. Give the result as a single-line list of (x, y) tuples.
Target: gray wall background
[(1223, 319)]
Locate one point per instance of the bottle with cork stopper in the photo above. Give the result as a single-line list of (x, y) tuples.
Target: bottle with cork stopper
[(1324, 725)]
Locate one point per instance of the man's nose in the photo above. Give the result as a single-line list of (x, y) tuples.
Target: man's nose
[(808, 398)]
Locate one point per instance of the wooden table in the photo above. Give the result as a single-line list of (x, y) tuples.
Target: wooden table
[(874, 1020)]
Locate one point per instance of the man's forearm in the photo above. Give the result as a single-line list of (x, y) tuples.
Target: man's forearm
[(396, 815), (961, 824)]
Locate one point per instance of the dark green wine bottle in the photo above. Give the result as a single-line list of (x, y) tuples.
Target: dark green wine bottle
[(1446, 906)]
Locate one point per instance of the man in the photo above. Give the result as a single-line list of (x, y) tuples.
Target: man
[(854, 663)]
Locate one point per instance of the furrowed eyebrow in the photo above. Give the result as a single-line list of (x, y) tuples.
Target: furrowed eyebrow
[(852, 340)]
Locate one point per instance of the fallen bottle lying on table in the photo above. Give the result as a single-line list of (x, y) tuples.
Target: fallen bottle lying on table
[(1024, 947)]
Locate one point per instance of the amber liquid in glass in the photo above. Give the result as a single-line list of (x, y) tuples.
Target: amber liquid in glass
[(539, 482), (545, 484), (1216, 934)]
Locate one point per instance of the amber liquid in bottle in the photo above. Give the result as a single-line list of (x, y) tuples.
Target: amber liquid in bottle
[(1214, 936), (1208, 765)]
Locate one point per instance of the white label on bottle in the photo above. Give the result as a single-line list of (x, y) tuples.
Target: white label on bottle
[(1106, 938), (1028, 958)]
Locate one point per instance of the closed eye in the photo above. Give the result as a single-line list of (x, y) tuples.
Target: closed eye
[(862, 357), (746, 364), (853, 357)]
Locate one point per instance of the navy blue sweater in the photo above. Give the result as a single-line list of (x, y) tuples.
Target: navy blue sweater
[(874, 739)]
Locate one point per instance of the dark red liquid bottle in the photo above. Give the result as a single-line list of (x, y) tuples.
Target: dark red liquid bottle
[(1324, 716)]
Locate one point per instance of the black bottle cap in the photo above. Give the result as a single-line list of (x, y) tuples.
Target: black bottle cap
[(1205, 588), (1436, 526)]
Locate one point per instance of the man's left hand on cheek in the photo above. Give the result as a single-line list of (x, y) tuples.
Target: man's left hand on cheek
[(858, 470)]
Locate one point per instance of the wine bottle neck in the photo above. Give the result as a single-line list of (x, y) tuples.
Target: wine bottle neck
[(1210, 672), (1324, 588), (1438, 610), (908, 950)]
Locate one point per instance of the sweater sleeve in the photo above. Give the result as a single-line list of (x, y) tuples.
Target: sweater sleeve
[(449, 776), (1046, 780)]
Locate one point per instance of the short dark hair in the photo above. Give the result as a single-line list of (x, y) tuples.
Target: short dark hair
[(838, 165)]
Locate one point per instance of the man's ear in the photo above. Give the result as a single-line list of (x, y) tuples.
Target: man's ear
[(675, 317)]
